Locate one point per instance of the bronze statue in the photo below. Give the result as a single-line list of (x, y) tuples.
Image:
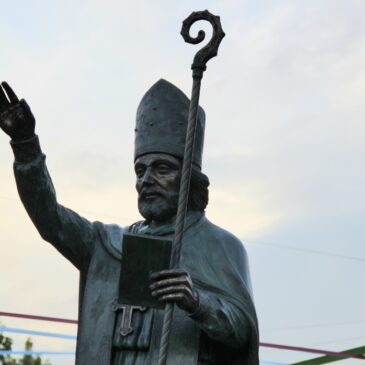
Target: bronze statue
[(214, 321)]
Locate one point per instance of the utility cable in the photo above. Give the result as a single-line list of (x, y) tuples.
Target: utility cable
[(309, 326), (307, 250), (36, 333)]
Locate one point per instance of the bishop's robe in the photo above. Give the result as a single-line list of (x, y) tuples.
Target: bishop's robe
[(223, 332)]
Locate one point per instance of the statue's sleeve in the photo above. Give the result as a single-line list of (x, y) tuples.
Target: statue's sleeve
[(222, 321), (69, 233)]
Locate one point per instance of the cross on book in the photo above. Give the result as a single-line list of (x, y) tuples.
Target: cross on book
[(126, 324)]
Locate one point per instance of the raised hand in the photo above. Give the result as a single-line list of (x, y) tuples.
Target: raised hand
[(175, 286), (16, 118)]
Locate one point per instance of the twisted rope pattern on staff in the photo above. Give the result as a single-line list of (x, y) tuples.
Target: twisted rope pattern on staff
[(182, 204)]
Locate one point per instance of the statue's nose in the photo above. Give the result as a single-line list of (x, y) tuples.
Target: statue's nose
[(147, 177)]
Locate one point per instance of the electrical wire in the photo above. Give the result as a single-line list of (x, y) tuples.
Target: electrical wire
[(310, 326), (72, 353), (344, 354), (262, 344), (307, 250), (274, 245), (36, 353), (339, 340), (38, 318), (36, 333), (108, 216)]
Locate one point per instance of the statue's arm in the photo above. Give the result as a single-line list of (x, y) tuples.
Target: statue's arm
[(229, 315), (221, 320), (71, 234)]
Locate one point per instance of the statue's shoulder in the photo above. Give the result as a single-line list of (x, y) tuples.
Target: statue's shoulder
[(219, 235), (111, 237), (220, 248), (109, 231)]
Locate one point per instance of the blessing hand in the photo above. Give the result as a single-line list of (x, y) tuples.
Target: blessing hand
[(175, 285), (16, 118)]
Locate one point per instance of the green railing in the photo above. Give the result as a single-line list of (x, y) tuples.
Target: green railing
[(327, 359)]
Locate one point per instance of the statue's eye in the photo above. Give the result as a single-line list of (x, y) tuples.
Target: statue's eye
[(139, 171), (163, 169)]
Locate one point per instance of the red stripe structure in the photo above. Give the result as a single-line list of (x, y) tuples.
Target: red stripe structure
[(38, 318)]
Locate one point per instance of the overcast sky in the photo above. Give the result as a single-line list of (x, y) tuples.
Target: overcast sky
[(284, 150)]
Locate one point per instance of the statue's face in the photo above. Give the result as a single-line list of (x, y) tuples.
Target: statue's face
[(158, 181)]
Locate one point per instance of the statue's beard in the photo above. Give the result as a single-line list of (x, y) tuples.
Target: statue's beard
[(161, 208)]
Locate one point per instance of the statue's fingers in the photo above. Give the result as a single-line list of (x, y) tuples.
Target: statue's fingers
[(175, 297), (4, 102), (167, 282), (173, 289), (9, 91), (167, 274)]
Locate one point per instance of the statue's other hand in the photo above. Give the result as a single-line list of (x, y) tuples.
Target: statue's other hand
[(16, 118), (175, 285)]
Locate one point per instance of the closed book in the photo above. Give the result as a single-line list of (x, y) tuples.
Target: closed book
[(141, 256)]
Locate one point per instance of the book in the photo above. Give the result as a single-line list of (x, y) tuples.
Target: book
[(141, 256)]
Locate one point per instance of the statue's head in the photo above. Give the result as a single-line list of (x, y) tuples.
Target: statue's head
[(161, 125)]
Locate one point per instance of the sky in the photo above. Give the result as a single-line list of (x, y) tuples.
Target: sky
[(284, 149)]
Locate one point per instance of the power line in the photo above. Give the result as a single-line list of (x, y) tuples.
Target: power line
[(7, 198), (344, 354), (307, 250), (339, 340), (108, 216), (37, 333), (35, 353), (274, 245), (122, 218), (72, 353), (309, 326), (38, 318), (70, 337)]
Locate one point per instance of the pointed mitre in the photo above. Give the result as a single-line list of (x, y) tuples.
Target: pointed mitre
[(161, 123)]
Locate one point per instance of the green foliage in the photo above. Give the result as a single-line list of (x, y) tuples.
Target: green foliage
[(6, 344)]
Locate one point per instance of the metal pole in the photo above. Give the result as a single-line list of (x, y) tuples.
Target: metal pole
[(198, 67)]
